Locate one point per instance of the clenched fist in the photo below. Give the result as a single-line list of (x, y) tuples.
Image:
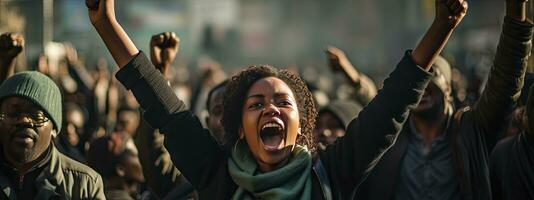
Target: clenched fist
[(100, 10), (163, 49), (336, 59), (450, 12), (11, 45)]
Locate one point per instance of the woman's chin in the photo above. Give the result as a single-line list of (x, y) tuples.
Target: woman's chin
[(274, 159)]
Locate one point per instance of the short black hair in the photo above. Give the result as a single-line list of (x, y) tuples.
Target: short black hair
[(234, 98), (105, 153), (210, 93)]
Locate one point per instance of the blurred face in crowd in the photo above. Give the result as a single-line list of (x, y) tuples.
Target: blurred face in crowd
[(25, 131), (270, 122), (74, 123), (432, 104), (129, 166), (215, 114), (328, 129), (127, 122)]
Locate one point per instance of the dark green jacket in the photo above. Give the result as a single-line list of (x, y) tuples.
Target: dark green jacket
[(204, 163), (61, 178), (473, 132)]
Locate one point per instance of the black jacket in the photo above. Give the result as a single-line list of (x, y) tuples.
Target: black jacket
[(512, 168), (473, 131), (161, 176), (204, 163)]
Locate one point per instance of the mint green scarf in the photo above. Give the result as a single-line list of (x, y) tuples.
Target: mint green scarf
[(292, 181)]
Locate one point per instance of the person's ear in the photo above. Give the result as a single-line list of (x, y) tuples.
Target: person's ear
[(53, 133), (119, 169), (241, 133)]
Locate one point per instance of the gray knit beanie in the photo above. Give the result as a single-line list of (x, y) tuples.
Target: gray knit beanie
[(37, 88), (344, 110), (442, 75)]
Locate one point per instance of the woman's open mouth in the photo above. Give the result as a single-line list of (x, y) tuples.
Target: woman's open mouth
[(272, 136)]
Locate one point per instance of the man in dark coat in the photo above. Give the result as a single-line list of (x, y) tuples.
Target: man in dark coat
[(442, 153), (511, 162)]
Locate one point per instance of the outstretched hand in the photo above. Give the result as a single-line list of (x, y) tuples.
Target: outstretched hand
[(163, 49), (450, 12), (11, 45)]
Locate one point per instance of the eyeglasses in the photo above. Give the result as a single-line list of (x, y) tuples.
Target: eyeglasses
[(38, 119)]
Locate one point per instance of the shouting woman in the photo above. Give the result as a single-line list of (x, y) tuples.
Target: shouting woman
[(269, 117)]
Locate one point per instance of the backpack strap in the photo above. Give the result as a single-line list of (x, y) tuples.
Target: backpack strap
[(323, 179), (462, 179)]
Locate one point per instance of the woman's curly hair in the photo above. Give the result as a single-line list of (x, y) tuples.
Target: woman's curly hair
[(234, 98)]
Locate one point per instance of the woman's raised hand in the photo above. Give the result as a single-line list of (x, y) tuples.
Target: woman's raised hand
[(100, 10), (450, 12)]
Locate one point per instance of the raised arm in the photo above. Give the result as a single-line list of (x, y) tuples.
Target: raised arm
[(365, 88), (163, 49), (449, 13), (77, 70), (160, 173), (102, 16), (506, 76), (194, 152), (378, 124), (11, 45)]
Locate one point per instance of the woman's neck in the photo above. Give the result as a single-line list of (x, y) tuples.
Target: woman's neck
[(264, 167)]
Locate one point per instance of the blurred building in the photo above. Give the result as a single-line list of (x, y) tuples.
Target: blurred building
[(238, 33)]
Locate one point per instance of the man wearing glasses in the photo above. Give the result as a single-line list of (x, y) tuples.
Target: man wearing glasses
[(30, 165)]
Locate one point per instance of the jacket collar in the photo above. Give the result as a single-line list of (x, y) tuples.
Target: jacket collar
[(50, 181), (7, 171)]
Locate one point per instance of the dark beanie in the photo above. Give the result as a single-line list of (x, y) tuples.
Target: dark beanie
[(441, 75), (37, 88), (344, 110)]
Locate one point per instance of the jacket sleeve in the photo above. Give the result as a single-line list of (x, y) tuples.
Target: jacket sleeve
[(377, 125), (97, 192), (160, 173), (505, 79), (192, 149)]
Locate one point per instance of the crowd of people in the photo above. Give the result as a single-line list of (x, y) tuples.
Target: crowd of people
[(68, 131)]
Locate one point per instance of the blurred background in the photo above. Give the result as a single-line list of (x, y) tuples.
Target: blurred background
[(237, 33)]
